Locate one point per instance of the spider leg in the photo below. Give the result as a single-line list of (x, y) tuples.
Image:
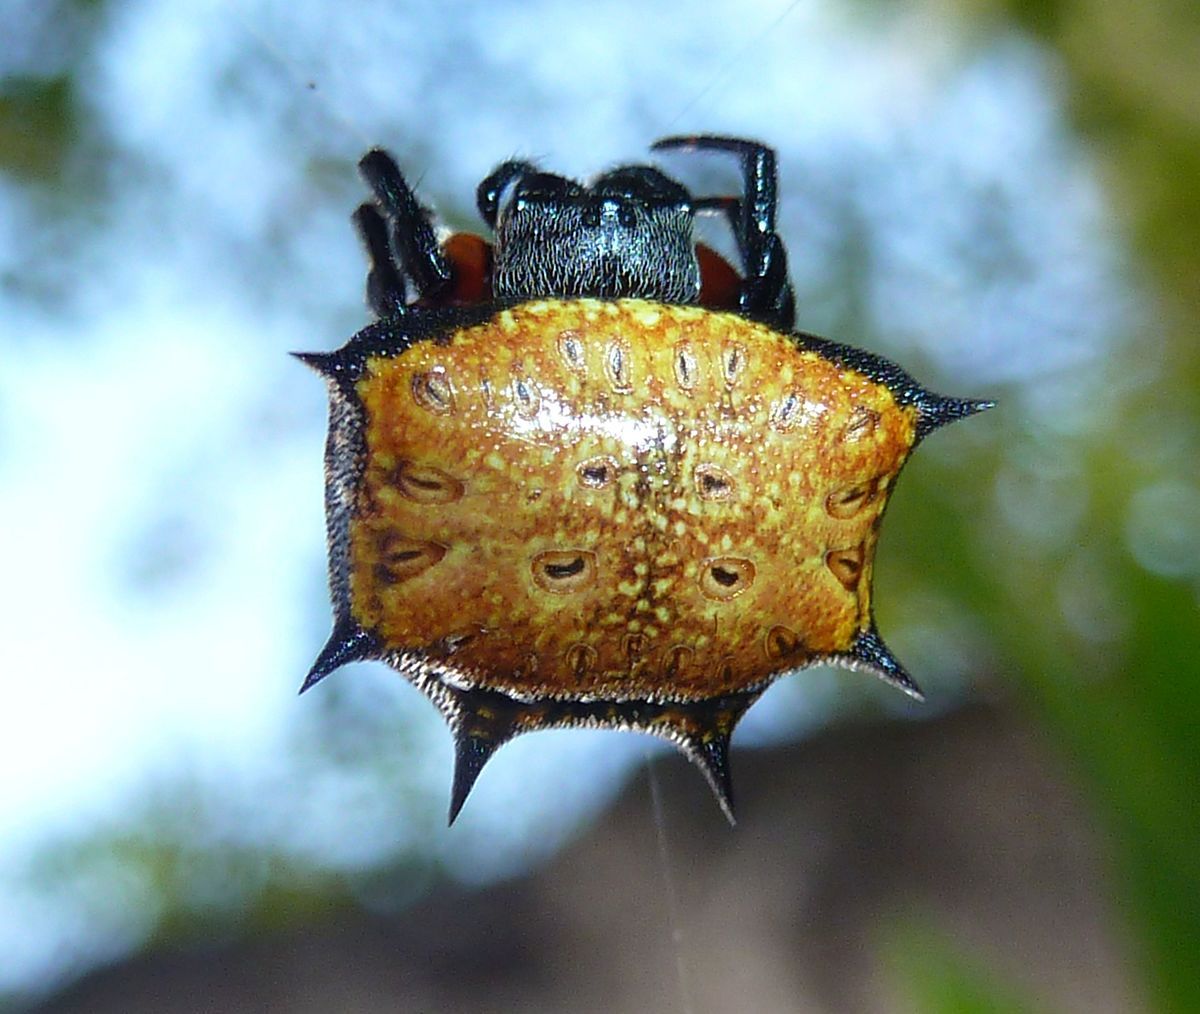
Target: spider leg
[(386, 292), (730, 207), (413, 242), (766, 291)]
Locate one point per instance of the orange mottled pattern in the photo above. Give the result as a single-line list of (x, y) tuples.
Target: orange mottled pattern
[(620, 500)]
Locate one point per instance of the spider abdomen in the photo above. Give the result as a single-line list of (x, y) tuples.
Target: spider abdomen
[(620, 500)]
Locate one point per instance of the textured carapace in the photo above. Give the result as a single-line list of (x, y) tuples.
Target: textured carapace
[(589, 475)]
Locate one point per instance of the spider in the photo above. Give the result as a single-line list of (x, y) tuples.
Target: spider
[(589, 474)]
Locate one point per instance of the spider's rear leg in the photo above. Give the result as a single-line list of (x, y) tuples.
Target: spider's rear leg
[(766, 291), (417, 253)]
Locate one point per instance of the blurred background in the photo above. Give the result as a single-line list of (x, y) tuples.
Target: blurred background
[(1002, 196)]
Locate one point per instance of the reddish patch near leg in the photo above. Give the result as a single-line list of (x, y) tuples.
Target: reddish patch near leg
[(471, 258), (720, 284)]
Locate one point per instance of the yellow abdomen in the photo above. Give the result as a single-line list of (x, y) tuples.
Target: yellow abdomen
[(620, 501)]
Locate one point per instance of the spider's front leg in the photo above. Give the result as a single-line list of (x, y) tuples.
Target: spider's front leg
[(413, 253), (766, 292)]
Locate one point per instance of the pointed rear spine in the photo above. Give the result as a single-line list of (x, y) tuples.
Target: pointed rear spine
[(471, 754), (711, 755), (868, 652)]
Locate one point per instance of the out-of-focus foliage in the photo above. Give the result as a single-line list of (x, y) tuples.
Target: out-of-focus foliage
[(940, 978), (1127, 703), (36, 124)]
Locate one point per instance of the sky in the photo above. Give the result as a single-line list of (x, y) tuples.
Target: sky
[(160, 454)]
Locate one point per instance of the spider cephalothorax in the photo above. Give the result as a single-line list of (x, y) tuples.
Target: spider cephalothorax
[(627, 235), (588, 474)]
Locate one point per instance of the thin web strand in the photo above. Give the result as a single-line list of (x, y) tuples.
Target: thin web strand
[(668, 877), (736, 60)]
